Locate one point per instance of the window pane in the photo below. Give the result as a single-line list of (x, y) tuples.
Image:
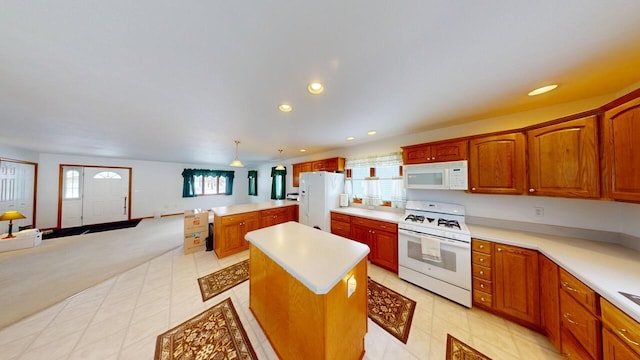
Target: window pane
[(211, 185), (222, 185), (387, 186), (197, 184), (72, 184)]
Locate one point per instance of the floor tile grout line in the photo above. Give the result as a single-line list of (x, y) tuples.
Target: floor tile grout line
[(148, 265)]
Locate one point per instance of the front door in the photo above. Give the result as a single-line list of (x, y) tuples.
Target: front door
[(100, 196)]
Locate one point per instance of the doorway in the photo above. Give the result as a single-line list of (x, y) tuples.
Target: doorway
[(93, 195)]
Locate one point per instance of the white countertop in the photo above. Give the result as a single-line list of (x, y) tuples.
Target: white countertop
[(389, 216), (316, 258), (605, 267), (245, 208)]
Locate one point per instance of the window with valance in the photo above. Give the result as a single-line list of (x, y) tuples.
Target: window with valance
[(278, 183), (197, 182), (253, 182), (376, 180)]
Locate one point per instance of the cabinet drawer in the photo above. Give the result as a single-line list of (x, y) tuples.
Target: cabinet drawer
[(481, 246), (571, 349), (340, 228), (482, 272), (482, 285), (481, 259), (579, 291), (281, 211), (583, 325), (614, 348), (480, 297), (375, 224), (623, 326), (340, 217)]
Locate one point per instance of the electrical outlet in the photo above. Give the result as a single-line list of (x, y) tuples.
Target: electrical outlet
[(538, 211)]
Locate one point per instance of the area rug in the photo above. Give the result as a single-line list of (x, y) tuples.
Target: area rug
[(392, 311), (457, 350), (217, 333), (223, 280)]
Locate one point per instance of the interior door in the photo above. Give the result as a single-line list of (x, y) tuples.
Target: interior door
[(105, 195)]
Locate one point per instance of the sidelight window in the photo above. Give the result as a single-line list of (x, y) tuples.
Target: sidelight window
[(71, 184)]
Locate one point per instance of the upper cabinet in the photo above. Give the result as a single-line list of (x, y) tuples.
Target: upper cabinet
[(621, 138), (563, 159), (497, 164), (434, 152), (331, 164)]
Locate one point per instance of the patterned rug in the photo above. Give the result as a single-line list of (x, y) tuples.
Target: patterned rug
[(457, 350), (223, 280), (392, 311), (217, 333)]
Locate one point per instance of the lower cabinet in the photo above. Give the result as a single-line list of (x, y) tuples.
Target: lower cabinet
[(506, 281), (380, 236), (278, 215), (550, 300), (620, 334)]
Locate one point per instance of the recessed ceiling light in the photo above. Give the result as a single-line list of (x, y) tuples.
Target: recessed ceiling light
[(542, 90), (315, 88), (372, 132), (303, 150), (285, 107), (350, 138)]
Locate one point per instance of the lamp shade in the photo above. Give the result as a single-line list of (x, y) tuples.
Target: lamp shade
[(12, 215)]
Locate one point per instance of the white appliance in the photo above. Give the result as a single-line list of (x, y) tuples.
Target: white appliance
[(434, 249), (450, 175), (319, 193)]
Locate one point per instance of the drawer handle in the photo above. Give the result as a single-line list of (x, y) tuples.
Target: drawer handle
[(481, 246), (566, 286), (482, 286), (483, 299), (568, 317), (481, 259), (623, 333), (499, 249), (481, 272)]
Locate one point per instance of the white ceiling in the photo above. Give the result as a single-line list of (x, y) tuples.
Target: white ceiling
[(180, 80)]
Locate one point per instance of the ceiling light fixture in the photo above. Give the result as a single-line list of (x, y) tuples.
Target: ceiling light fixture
[(303, 150), (280, 166), (350, 138), (542, 90), (372, 132), (285, 107), (315, 88), (236, 162)]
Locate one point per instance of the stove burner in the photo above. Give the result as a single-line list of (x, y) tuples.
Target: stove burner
[(449, 223), (415, 218)]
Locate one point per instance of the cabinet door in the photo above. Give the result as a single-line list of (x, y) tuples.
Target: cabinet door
[(450, 151), (233, 236), (549, 300), (385, 249), (621, 129), (497, 164), (614, 349), (416, 154), (296, 175), (516, 283), (563, 159), (361, 234)]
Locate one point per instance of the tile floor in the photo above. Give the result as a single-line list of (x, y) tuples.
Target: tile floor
[(121, 318)]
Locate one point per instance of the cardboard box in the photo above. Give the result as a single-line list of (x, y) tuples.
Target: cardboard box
[(196, 220), (194, 242)]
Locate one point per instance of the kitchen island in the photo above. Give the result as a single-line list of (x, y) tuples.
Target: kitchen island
[(308, 291), (232, 223)]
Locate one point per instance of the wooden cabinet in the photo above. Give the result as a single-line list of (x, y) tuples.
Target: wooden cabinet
[(335, 164), (229, 232), (564, 160), (380, 236), (620, 333), (435, 152), (497, 164), (621, 133), (341, 225), (481, 268), (550, 300), (278, 215), (516, 282), (579, 314)]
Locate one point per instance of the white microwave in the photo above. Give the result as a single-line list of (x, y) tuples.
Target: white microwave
[(451, 175)]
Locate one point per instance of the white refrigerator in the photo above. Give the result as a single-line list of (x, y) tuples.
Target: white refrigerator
[(319, 193)]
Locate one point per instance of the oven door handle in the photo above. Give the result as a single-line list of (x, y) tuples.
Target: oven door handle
[(444, 241)]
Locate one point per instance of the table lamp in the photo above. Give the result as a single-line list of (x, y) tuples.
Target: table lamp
[(11, 215)]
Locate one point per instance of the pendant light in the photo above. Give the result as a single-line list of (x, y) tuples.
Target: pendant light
[(280, 166), (236, 162)]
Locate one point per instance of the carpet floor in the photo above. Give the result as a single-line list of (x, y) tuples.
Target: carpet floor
[(457, 350), (34, 279), (390, 310), (216, 333)]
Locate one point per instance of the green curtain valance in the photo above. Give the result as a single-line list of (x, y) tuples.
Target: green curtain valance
[(188, 186), (275, 172), (253, 174)]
